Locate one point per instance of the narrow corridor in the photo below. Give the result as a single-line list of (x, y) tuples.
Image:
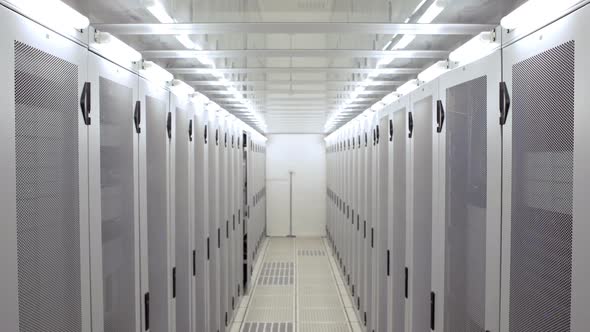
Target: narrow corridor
[(297, 288)]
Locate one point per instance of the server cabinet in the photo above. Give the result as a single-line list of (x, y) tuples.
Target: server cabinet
[(200, 160), (381, 251), (214, 243), (114, 197), (398, 212), (182, 277), (348, 196), (155, 176), (423, 103), (364, 201), (356, 137), (466, 237), (44, 265), (545, 211), (223, 222), (370, 271)]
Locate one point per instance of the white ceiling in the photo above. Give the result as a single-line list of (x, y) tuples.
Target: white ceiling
[(298, 92)]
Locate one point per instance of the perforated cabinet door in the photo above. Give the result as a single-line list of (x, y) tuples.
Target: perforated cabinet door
[(381, 250), (44, 242), (155, 164), (545, 180), (114, 198), (467, 247), (423, 103)]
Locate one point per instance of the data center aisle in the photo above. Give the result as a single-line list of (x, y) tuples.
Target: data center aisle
[(298, 289)]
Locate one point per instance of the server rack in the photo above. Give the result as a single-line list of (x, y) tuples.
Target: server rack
[(466, 239), (45, 151), (231, 220), (182, 108), (357, 203), (156, 146), (114, 197), (222, 210), (214, 226), (399, 214), (544, 178), (423, 103), (200, 160), (381, 250), (370, 272)]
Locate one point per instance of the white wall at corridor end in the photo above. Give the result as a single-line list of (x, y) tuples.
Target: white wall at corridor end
[(305, 155)]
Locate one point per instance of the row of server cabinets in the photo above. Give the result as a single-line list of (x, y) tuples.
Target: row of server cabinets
[(463, 206), (124, 207)]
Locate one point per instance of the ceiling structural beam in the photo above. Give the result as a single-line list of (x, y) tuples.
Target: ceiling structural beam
[(295, 27), (306, 82), (301, 93), (274, 70), (295, 53)]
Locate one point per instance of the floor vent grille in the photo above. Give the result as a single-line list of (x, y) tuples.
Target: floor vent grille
[(311, 252), (267, 327), (277, 274)]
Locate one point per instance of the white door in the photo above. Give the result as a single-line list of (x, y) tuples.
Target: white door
[(305, 156)]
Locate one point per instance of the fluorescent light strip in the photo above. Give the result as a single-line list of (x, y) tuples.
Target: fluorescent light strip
[(114, 48), (534, 12), (432, 12), (476, 48), (53, 12), (434, 71)]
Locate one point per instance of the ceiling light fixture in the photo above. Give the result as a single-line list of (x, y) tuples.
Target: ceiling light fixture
[(433, 11), (534, 12), (53, 12), (407, 87), (155, 72), (178, 87), (114, 48), (476, 48), (434, 71)]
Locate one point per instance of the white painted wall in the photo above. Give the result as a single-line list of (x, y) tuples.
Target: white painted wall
[(305, 155)]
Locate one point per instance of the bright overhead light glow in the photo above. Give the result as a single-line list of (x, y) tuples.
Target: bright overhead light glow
[(390, 98), (378, 106), (407, 87), (53, 12), (115, 48), (155, 72), (159, 12), (432, 12), (180, 88), (200, 98), (476, 48), (533, 12), (187, 42), (404, 42), (434, 71)]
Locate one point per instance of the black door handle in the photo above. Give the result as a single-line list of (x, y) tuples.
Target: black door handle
[(169, 125), (85, 103), (504, 103), (440, 116), (146, 308), (410, 125), (190, 130), (137, 116)]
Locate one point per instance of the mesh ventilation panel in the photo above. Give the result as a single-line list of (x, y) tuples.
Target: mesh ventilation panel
[(398, 259), (465, 201), (157, 197), (542, 191), (117, 205), (47, 191), (422, 223)]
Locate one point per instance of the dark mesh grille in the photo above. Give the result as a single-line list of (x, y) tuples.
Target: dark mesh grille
[(542, 190), (465, 201), (47, 191), (398, 252), (117, 205)]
